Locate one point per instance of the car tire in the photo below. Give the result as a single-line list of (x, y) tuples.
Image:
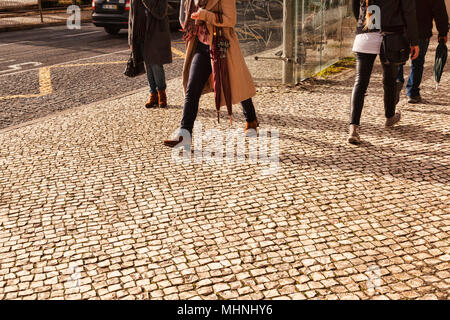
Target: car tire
[(112, 30)]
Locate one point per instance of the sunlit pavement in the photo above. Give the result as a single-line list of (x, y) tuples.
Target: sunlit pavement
[(92, 205)]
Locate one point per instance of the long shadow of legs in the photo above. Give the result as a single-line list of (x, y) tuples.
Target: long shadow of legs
[(402, 132), (446, 112), (368, 159)]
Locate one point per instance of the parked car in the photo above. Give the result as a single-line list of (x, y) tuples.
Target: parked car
[(113, 14)]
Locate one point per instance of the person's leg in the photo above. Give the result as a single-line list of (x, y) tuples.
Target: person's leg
[(415, 77), (364, 67), (151, 79), (149, 72), (399, 83), (198, 76), (400, 75), (159, 76), (390, 72), (160, 81), (249, 110), (153, 99)]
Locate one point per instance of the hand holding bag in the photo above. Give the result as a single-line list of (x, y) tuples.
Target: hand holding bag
[(133, 68), (135, 65)]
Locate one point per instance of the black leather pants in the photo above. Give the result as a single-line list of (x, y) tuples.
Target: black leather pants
[(364, 67)]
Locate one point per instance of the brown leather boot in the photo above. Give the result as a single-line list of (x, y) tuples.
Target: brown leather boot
[(173, 142), (162, 99), (251, 125), (152, 101)]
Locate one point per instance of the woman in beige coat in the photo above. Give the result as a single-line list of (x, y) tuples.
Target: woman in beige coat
[(198, 18)]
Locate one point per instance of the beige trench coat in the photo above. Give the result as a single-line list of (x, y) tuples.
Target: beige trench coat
[(241, 81), (447, 4)]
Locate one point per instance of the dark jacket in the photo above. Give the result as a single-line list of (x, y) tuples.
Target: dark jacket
[(427, 10), (396, 16), (148, 25)]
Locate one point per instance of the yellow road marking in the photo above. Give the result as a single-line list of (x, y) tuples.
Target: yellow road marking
[(45, 86), (45, 79), (178, 53), (88, 64), (20, 96)]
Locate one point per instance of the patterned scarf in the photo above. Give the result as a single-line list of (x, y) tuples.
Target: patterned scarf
[(192, 27)]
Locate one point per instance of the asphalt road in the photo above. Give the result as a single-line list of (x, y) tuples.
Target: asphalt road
[(45, 70), (50, 69)]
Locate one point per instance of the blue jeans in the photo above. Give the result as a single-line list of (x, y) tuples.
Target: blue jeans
[(156, 77), (155, 72), (415, 77)]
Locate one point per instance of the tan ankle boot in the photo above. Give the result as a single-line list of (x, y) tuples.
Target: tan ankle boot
[(353, 136), (251, 125), (152, 101), (162, 99), (173, 142)]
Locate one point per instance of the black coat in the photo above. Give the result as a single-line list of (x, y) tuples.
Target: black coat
[(427, 10), (149, 18), (396, 16)]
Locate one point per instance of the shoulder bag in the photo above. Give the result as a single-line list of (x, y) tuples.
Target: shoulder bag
[(135, 67), (395, 48)]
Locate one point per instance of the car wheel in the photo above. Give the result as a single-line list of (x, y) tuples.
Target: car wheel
[(112, 30)]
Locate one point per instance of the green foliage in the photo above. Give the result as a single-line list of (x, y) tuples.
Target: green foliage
[(345, 63)]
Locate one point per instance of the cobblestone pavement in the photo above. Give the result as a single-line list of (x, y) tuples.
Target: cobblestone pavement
[(93, 206)]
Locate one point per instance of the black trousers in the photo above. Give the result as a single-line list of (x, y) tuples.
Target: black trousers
[(198, 76), (364, 67)]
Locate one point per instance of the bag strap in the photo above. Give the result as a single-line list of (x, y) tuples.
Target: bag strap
[(219, 15)]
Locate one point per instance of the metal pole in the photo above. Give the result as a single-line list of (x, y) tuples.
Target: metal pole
[(341, 37), (322, 30), (40, 10), (298, 40), (288, 40)]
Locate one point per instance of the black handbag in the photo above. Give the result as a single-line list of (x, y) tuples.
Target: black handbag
[(134, 68), (395, 48)]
